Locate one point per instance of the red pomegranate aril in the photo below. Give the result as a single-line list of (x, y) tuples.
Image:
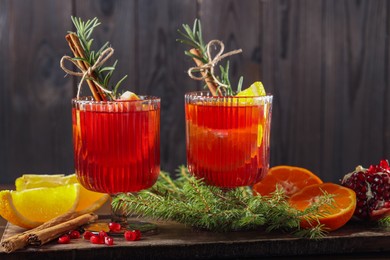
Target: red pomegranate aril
[(65, 239), (95, 239), (114, 227), (130, 235), (102, 234), (74, 234), (108, 241), (360, 176), (87, 235), (138, 234)]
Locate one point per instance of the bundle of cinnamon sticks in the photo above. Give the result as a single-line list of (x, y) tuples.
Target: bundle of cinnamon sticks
[(78, 52), (211, 84), (47, 231)]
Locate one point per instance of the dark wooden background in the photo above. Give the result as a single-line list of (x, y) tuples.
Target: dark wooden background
[(325, 61)]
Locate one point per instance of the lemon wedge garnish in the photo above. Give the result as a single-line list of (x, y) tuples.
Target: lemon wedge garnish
[(255, 90), (128, 95)]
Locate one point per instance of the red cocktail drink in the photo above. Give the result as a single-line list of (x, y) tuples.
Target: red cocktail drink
[(228, 138), (116, 144)]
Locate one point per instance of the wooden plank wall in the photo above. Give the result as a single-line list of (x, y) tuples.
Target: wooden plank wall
[(325, 61)]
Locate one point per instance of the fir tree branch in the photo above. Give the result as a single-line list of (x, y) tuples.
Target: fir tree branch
[(384, 222), (190, 201)]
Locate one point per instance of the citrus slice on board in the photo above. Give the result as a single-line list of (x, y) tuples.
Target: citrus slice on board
[(30, 181), (255, 90), (289, 178), (9, 212), (38, 205), (332, 216), (89, 201)]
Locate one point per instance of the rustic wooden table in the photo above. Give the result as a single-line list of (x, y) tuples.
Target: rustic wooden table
[(175, 241)]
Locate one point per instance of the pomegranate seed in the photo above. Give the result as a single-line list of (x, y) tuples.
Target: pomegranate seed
[(130, 235), (138, 234), (87, 235), (114, 227), (108, 241), (74, 234), (65, 239), (384, 164), (95, 239), (102, 234)]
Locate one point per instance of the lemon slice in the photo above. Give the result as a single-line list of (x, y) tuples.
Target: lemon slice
[(128, 95), (255, 90), (30, 181), (32, 207), (89, 201), (9, 212)]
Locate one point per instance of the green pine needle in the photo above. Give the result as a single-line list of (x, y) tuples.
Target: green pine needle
[(384, 222), (190, 201)]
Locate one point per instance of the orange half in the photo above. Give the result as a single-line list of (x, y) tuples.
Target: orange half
[(332, 216), (289, 178)]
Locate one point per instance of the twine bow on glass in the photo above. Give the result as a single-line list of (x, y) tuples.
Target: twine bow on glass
[(87, 73), (209, 66)]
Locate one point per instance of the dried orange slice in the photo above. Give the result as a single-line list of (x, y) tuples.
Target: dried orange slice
[(289, 178), (333, 216)]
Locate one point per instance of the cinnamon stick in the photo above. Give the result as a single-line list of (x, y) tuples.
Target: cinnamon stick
[(77, 49), (21, 240), (208, 79), (48, 234)]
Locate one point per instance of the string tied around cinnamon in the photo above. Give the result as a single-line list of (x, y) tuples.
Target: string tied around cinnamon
[(87, 73), (209, 67)]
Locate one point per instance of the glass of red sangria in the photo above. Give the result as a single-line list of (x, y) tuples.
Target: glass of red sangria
[(117, 146), (228, 138)]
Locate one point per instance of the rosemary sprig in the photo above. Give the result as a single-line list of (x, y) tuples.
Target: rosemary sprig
[(190, 201), (84, 30), (194, 38)]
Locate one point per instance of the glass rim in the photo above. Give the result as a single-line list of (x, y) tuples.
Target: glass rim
[(207, 94), (91, 100)]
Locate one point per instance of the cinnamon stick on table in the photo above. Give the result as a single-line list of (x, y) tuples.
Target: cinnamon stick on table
[(78, 51), (213, 87), (48, 234), (56, 226)]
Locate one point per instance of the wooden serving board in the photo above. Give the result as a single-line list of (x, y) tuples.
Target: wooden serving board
[(176, 241)]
